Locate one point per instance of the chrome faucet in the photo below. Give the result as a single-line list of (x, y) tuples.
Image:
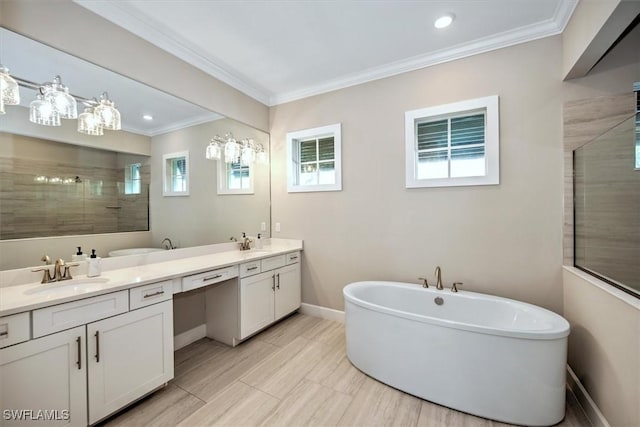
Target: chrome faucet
[(439, 278), (169, 246)]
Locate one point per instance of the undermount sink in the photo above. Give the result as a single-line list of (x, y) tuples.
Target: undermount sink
[(257, 252), (79, 286)]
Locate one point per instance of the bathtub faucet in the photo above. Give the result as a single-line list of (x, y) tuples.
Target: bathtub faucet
[(439, 278)]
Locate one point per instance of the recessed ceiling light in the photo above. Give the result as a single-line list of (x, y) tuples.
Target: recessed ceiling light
[(148, 117), (444, 21)]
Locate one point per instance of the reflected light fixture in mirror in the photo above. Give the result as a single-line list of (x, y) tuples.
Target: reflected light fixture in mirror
[(8, 89), (54, 102), (244, 151)]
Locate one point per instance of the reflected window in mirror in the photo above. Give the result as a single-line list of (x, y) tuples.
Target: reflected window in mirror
[(235, 178), (176, 174), (132, 178)]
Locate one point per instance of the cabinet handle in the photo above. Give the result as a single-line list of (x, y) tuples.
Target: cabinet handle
[(273, 287), (293, 257), (217, 276), (278, 276), (79, 362), (4, 333), (252, 268), (97, 335), (153, 294)]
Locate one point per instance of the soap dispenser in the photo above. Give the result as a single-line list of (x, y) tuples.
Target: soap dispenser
[(79, 256), (258, 242), (95, 264)]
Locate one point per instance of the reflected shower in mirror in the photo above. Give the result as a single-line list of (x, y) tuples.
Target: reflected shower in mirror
[(114, 165), (607, 207), (54, 189)]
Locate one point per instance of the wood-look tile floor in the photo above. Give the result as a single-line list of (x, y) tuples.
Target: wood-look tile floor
[(295, 373)]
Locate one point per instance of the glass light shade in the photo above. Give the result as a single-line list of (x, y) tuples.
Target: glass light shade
[(213, 151), (42, 112), (109, 114), (64, 104), (89, 123), (248, 155), (231, 151), (262, 157), (9, 88)]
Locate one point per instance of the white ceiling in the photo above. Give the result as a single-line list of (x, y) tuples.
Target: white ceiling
[(38, 63), (279, 51)]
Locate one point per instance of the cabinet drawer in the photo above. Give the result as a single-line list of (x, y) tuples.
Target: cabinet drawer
[(272, 262), (209, 278), (14, 329), (150, 294), (65, 316), (293, 258), (250, 268)]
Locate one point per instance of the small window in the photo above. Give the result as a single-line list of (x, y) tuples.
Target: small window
[(313, 159), (132, 178), (175, 172), (234, 178), (453, 145)]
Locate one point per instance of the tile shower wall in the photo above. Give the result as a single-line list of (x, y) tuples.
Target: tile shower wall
[(92, 204)]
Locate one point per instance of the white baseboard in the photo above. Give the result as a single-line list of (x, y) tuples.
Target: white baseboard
[(322, 312), (586, 402), (187, 337)]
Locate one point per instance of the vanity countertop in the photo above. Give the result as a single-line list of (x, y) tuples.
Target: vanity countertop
[(20, 298)]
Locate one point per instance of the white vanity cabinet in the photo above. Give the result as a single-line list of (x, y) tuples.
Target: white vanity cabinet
[(45, 374), (268, 290), (129, 356), (269, 296), (88, 359)]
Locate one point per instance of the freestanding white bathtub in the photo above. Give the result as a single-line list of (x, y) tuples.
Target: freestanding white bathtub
[(488, 356)]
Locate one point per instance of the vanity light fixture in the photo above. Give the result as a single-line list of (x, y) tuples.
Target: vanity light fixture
[(89, 123), (54, 102), (8, 88), (245, 151), (444, 21)]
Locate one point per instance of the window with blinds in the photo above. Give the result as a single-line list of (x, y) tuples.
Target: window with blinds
[(132, 178), (313, 159), (453, 144), (234, 178), (451, 147), (175, 168)]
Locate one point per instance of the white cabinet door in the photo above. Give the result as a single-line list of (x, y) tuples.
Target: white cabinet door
[(287, 290), (256, 302), (129, 356), (50, 371)]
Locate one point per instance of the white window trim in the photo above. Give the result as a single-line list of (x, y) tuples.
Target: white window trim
[(169, 156), (334, 130), (222, 180), (492, 143)]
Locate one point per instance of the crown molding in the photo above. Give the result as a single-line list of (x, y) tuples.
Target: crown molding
[(127, 17), (167, 39), (548, 28), (192, 121)]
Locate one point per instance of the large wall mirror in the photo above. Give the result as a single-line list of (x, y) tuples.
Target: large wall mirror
[(55, 181)]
